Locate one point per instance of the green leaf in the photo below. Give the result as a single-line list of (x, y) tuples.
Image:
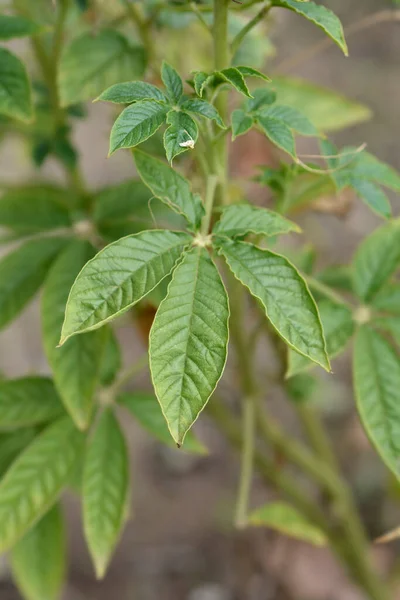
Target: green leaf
[(279, 134), (388, 299), (376, 259), (131, 91), (75, 366), (233, 76), (337, 276), (137, 123), (291, 117), (22, 272), (261, 97), (370, 168), (242, 219), (200, 81), (250, 72), (377, 384), (324, 18), (12, 26), (105, 490), (111, 361), (28, 401), (284, 294), (284, 518), (173, 82), (108, 59), (15, 91), (241, 123), (33, 209), (182, 130), (35, 480), (326, 109), (338, 325), (202, 108), (373, 196), (11, 445), (188, 341), (146, 410), (38, 561), (119, 276), (389, 325), (170, 187)]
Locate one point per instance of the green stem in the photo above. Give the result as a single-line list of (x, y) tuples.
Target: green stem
[(247, 458), (316, 435), (238, 39), (212, 181), (143, 27)]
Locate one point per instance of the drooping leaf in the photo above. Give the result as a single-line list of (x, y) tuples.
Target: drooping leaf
[(119, 276), (324, 18), (373, 196), (202, 108), (200, 81), (173, 82), (147, 411), (137, 123), (181, 135), (234, 77), (377, 384), (15, 91), (250, 72), (338, 328), (188, 341), (388, 299), (279, 133), (284, 294), (112, 360), (241, 123), (284, 518), (105, 490), (22, 272), (13, 26), (328, 110), (170, 187), (12, 443), (131, 91), (33, 209), (38, 561), (28, 401), (376, 259), (75, 366), (241, 219), (36, 478), (108, 59)]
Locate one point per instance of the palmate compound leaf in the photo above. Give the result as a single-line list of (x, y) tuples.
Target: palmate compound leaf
[(324, 18), (146, 409), (284, 518), (376, 259), (75, 366), (28, 401), (188, 341), (137, 123), (119, 276), (377, 384), (338, 325), (241, 219), (38, 561), (105, 490), (283, 293), (108, 59), (170, 187), (36, 478), (15, 91)]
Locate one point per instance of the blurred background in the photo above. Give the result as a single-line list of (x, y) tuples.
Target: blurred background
[(180, 543)]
